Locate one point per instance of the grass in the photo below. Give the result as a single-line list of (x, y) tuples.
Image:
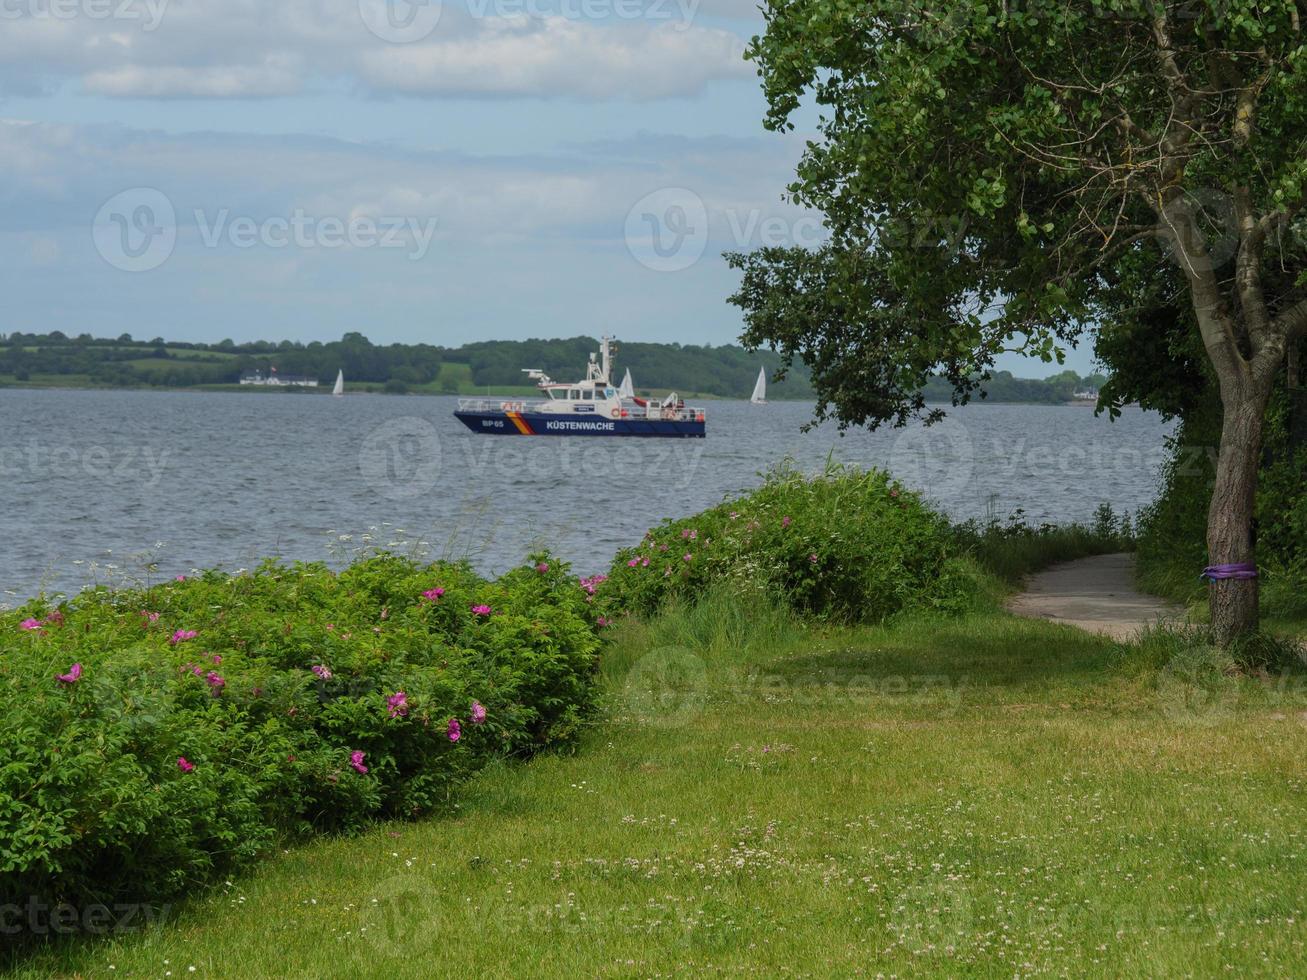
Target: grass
[(980, 796)]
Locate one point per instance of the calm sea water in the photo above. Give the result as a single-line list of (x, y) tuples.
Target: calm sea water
[(96, 484)]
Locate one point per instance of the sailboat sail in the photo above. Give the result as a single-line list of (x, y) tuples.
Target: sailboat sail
[(627, 390), (760, 389), (340, 383)]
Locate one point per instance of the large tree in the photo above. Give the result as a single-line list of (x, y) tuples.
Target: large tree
[(994, 174)]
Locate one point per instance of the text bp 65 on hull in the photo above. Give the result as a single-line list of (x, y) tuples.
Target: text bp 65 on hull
[(592, 407)]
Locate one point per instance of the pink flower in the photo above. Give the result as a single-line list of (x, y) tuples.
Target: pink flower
[(455, 730), (542, 567), (215, 681), (182, 636), (183, 765), (688, 556), (735, 514), (478, 713), (662, 547), (397, 705), (893, 493), (181, 578), (322, 670), (152, 617), (431, 595), (482, 610), (813, 559), (644, 562), (72, 677), (786, 521), (30, 624), (217, 658), (604, 621), (330, 627), (685, 533), (56, 618), (356, 760), (633, 562)]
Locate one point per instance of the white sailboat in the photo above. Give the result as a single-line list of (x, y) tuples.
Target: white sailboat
[(340, 384), (760, 389), (627, 389)]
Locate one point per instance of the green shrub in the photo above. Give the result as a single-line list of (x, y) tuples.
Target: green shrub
[(846, 545), (212, 717)]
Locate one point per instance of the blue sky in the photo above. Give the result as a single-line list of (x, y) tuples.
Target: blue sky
[(200, 169)]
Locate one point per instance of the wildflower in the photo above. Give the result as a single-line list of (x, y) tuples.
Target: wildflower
[(30, 624), (397, 705), (478, 713), (633, 562), (356, 760), (182, 636), (693, 534), (735, 515), (455, 730), (786, 521), (152, 617), (431, 595), (894, 493), (330, 627), (322, 670), (72, 677), (181, 578), (217, 658), (56, 618), (685, 532), (604, 621), (183, 765), (542, 567), (813, 559), (482, 610), (688, 556), (644, 562), (215, 681)]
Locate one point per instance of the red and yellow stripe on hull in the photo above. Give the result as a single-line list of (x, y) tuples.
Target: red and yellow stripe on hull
[(523, 426)]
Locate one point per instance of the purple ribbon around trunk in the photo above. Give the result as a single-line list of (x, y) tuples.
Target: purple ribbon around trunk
[(1240, 570)]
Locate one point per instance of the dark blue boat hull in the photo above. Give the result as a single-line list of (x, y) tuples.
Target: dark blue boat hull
[(541, 424)]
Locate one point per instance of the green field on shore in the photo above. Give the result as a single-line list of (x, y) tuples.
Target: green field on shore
[(983, 796)]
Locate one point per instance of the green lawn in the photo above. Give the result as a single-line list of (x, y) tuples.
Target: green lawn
[(984, 796)]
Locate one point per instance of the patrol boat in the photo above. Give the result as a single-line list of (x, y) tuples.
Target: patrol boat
[(593, 407)]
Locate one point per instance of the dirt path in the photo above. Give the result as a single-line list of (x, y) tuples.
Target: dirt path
[(1096, 594)]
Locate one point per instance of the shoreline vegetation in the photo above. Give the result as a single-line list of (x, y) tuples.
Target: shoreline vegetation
[(489, 368), (804, 707)]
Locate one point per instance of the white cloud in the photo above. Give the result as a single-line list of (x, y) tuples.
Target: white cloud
[(248, 48)]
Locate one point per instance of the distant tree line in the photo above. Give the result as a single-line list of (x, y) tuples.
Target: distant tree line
[(726, 371)]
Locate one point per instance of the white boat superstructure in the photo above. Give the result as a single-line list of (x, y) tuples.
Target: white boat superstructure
[(592, 406)]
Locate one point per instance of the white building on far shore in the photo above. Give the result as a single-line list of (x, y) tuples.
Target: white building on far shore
[(273, 379)]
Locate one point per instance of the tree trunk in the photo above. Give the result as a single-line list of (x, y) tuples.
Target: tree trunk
[(1230, 517)]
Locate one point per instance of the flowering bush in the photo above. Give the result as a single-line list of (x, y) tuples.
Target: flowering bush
[(848, 544), (155, 738)]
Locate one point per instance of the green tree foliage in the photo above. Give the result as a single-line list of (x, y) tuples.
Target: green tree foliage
[(1000, 176)]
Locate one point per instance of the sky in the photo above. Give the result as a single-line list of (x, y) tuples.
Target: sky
[(416, 171)]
